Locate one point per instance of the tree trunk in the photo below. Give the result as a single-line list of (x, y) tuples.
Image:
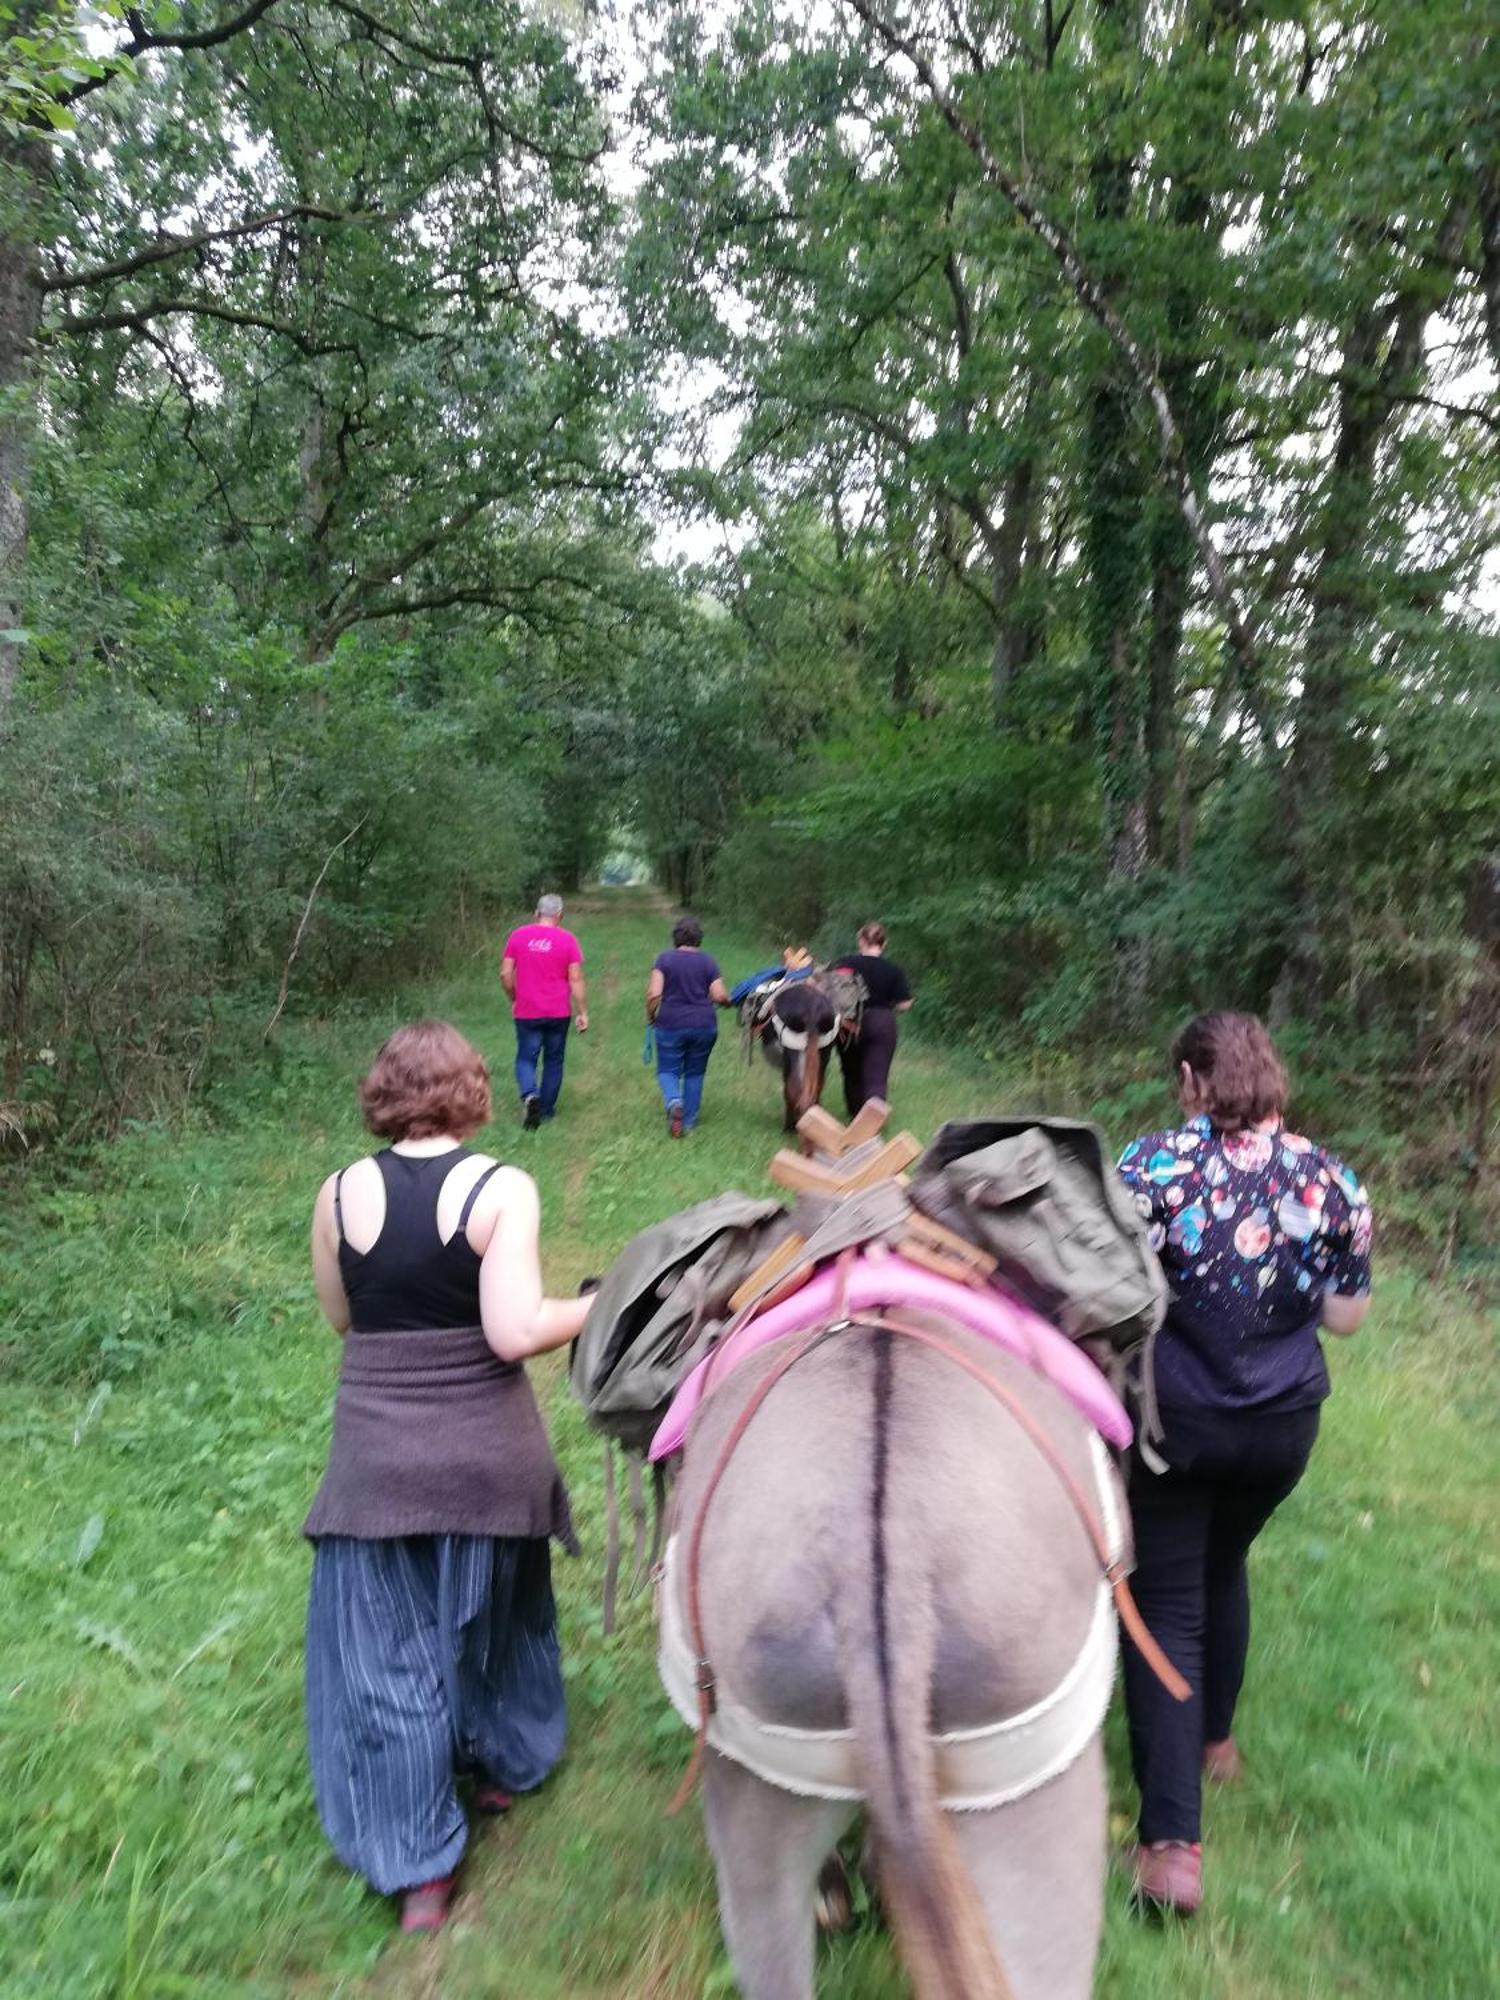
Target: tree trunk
[(22, 162), (1115, 500), (1171, 573), (1015, 631), (1489, 256), (315, 501), (1191, 382), (1382, 359)]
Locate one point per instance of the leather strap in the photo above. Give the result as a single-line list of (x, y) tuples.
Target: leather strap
[(702, 1666), (1112, 1567), (1109, 1564)]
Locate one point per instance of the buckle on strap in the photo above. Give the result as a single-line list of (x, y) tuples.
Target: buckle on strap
[(706, 1684)]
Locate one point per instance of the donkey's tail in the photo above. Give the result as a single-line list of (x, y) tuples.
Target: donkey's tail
[(887, 1648), (812, 1074)]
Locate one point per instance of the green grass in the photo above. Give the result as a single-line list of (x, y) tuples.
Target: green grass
[(164, 1420)]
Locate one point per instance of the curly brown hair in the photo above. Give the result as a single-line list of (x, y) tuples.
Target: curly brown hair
[(426, 1080), (1240, 1076)]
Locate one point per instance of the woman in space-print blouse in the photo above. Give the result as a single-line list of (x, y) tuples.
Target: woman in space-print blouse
[(1253, 1227)]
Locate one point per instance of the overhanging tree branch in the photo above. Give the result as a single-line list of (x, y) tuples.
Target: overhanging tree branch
[(166, 247), (136, 316), (143, 41), (472, 61), (514, 599)]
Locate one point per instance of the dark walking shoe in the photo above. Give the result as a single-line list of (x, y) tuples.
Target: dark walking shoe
[(531, 1112), (1169, 1876), (426, 1907), (674, 1121), (1222, 1762), (491, 1801)]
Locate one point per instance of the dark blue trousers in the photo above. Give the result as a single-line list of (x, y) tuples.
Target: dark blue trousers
[(426, 1657), (540, 1048)]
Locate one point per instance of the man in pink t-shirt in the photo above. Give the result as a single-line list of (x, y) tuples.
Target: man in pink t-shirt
[(541, 970)]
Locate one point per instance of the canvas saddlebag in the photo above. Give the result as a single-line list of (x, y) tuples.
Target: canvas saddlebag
[(657, 1311), (1041, 1195), (660, 1306)]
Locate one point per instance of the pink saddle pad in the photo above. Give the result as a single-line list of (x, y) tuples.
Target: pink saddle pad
[(892, 1281)]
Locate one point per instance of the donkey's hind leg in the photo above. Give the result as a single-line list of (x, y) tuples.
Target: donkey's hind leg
[(768, 1846), (1039, 1866)]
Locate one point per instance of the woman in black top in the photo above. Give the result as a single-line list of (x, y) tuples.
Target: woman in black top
[(431, 1635), (1265, 1240), (866, 1057)]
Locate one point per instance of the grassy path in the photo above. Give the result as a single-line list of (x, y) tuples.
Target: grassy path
[(166, 1397)]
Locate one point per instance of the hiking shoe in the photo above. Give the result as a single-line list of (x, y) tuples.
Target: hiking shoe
[(425, 1908), (1222, 1762), (531, 1112), (674, 1121), (491, 1801), (1169, 1876)]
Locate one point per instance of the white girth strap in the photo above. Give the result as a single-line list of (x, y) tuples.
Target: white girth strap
[(976, 1768), (796, 1039)]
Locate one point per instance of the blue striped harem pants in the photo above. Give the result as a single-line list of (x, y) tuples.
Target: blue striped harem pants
[(427, 1657)]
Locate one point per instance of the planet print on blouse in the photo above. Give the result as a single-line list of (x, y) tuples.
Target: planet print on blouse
[(1253, 1236), (1252, 1228), (1187, 1227)]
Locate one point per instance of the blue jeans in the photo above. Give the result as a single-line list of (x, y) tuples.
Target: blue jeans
[(681, 1058), (541, 1043)]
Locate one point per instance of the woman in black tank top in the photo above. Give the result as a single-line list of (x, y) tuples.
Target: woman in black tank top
[(410, 1278), (432, 1646)]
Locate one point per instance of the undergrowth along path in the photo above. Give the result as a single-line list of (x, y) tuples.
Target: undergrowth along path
[(167, 1395)]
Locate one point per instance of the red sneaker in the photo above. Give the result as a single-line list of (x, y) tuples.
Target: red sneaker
[(1169, 1876), (425, 1908), (491, 1801), (1222, 1762), (674, 1121)]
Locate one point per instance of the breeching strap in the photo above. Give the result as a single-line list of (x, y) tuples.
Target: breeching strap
[(1111, 1566)]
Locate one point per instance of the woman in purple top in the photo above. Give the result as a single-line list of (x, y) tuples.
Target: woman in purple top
[(681, 995), (1265, 1240)]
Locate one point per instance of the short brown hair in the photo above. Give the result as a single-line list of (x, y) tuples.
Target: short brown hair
[(873, 934), (426, 1080), (1242, 1078)]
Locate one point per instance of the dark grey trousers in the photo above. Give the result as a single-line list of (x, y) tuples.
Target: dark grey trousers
[(426, 1657)]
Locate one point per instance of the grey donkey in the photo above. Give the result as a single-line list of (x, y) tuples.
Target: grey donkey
[(887, 1553)]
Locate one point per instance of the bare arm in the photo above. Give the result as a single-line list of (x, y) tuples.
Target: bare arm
[(656, 985), (327, 1279), (719, 994), (578, 994), (1342, 1314), (508, 978), (517, 1320), (904, 1006)]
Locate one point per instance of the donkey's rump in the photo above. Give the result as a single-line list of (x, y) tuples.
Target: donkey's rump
[(986, 1531)]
